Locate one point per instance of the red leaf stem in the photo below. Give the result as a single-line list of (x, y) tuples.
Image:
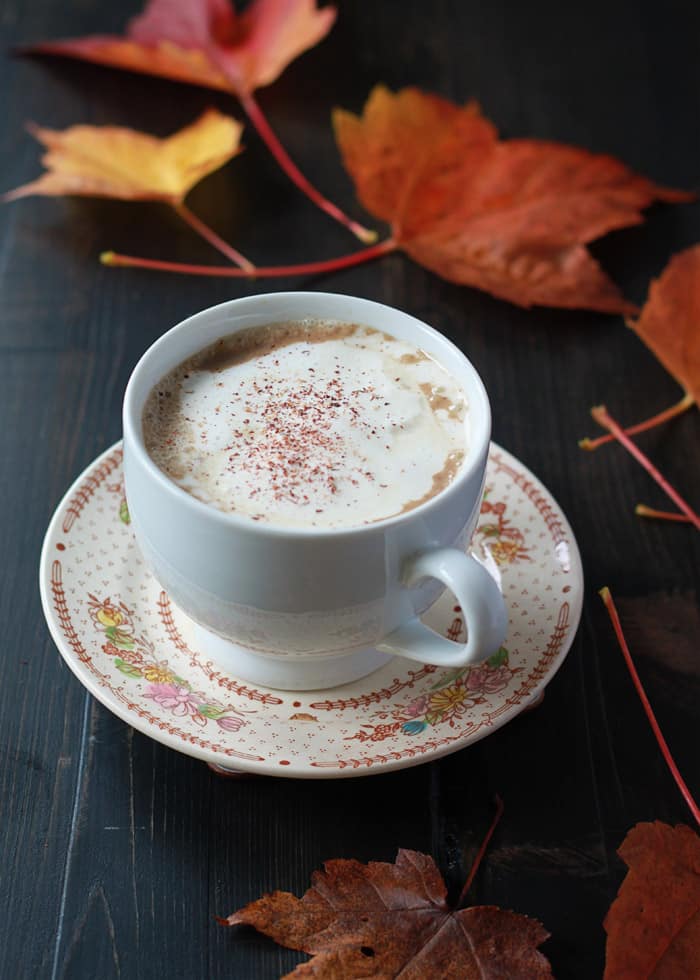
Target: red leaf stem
[(665, 751), (267, 134), (482, 850), (686, 402), (641, 510), (257, 272), (604, 419), (209, 235)]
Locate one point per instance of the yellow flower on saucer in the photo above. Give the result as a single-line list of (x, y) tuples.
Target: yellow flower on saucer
[(446, 703), (507, 550), (109, 615), (157, 674)]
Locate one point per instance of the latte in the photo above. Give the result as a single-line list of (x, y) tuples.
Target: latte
[(309, 424)]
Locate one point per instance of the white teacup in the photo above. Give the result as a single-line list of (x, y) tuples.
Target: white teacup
[(306, 608)]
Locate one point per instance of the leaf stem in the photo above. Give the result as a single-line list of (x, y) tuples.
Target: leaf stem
[(209, 235), (686, 402), (607, 598), (604, 419), (482, 850), (267, 134), (257, 272), (641, 510)]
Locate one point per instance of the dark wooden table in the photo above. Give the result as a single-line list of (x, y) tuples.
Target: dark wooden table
[(115, 852)]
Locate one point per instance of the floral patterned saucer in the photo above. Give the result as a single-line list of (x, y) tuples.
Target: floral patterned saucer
[(131, 647)]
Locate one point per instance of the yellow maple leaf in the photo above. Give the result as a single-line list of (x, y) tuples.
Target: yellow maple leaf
[(123, 163)]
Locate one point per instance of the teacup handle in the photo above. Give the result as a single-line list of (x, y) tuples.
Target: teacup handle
[(478, 594)]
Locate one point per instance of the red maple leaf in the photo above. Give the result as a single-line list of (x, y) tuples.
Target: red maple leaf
[(669, 323), (511, 217), (653, 925), (205, 42)]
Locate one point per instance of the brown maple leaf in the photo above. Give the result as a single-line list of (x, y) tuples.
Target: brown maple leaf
[(669, 323), (384, 920), (653, 925), (511, 217), (205, 42)]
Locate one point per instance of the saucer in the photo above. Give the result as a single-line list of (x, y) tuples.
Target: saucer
[(129, 645)]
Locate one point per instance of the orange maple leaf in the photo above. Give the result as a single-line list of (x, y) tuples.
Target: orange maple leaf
[(114, 161), (205, 42), (653, 925), (511, 217), (386, 920), (669, 323)]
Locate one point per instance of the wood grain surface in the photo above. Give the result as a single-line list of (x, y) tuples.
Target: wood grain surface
[(116, 853)]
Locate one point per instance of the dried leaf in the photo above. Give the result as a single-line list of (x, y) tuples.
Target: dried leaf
[(511, 217), (653, 925), (669, 323), (205, 42), (381, 920), (113, 161)]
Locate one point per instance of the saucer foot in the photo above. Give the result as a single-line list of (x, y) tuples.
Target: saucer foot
[(227, 773), (536, 702), (286, 674)]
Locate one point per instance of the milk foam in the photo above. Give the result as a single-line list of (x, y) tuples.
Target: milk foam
[(309, 424)]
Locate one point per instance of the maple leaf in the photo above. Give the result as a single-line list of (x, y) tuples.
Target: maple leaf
[(114, 161), (669, 323), (511, 217), (205, 42), (653, 925), (381, 920), (122, 163)]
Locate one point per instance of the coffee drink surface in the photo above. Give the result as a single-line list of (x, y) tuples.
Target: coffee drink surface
[(309, 424)]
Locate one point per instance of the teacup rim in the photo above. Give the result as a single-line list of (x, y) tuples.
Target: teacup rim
[(133, 436)]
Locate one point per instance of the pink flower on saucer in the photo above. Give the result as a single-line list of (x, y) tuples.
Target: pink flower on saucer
[(180, 700), (488, 680), (230, 723), (415, 708)]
